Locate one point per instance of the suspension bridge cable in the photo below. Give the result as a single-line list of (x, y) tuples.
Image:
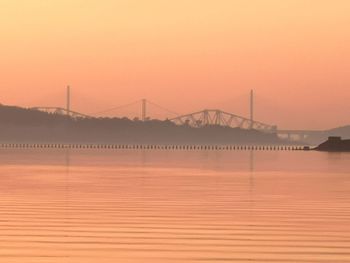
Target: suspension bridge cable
[(163, 108), (117, 107)]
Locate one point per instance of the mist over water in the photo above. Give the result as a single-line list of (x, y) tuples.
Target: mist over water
[(173, 206)]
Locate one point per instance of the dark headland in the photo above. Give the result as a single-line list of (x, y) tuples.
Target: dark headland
[(334, 144), (23, 125)]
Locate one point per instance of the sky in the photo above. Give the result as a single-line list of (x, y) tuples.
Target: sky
[(185, 55)]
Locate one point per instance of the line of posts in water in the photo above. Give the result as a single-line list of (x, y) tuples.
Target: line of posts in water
[(155, 147)]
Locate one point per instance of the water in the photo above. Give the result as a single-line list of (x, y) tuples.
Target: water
[(69, 206)]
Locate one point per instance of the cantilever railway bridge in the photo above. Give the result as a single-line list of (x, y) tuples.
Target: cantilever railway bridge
[(221, 118)]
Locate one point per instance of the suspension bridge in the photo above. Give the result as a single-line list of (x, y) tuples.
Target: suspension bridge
[(198, 119)]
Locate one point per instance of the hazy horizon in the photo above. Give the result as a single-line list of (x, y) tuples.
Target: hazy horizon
[(183, 55)]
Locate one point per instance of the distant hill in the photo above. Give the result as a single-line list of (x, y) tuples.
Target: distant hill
[(322, 136), (343, 131), (28, 125)]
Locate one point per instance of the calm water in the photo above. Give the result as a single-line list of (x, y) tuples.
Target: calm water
[(65, 206)]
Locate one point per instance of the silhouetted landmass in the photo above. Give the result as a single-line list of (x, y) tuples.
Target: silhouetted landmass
[(28, 125), (321, 136), (340, 131), (334, 144)]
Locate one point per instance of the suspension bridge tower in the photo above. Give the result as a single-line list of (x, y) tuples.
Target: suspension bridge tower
[(68, 100), (251, 108), (144, 109)]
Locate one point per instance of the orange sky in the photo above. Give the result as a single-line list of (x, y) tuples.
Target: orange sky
[(185, 55)]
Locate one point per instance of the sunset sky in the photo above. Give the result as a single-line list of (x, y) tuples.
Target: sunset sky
[(185, 55)]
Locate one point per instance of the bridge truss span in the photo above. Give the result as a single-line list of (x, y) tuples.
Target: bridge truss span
[(216, 117)]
